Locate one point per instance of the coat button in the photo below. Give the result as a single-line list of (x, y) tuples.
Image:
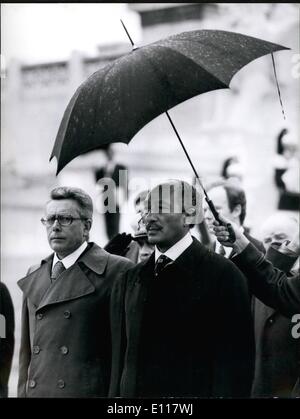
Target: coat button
[(39, 316), (67, 314), (32, 383), (36, 349), (64, 350), (271, 321), (61, 383)]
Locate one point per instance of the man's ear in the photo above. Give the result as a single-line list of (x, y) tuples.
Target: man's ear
[(88, 223)]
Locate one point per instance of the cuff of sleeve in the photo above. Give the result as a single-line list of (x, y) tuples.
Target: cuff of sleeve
[(282, 261)]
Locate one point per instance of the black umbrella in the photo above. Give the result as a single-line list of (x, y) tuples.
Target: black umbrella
[(115, 102)]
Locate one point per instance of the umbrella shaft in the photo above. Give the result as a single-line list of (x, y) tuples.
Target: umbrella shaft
[(186, 153), (277, 84), (209, 201)]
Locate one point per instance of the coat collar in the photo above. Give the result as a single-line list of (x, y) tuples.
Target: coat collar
[(191, 257), (74, 283), (186, 262), (94, 258)]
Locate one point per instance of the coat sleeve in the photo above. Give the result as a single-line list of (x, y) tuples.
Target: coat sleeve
[(234, 357), (7, 343), (280, 260), (269, 284), (25, 351)]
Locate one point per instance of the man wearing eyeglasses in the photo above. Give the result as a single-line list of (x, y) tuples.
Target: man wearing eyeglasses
[(66, 344)]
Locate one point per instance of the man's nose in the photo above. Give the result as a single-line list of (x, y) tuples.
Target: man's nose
[(56, 226), (150, 216)]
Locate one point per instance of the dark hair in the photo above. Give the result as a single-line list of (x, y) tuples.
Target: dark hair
[(279, 145), (235, 196), (141, 196), (225, 166), (83, 200)]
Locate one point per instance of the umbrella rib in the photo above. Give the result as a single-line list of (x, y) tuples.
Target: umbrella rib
[(96, 102), (202, 66)]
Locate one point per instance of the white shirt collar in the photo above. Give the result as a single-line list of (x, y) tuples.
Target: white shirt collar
[(177, 249), (71, 258), (227, 250)]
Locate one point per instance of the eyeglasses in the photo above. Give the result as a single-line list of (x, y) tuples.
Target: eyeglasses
[(63, 220)]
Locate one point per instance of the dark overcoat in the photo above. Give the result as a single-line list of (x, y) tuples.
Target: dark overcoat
[(277, 369), (66, 342), (199, 340), (7, 343)]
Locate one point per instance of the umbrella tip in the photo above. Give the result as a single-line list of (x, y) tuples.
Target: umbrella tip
[(127, 33), (58, 168), (278, 89)]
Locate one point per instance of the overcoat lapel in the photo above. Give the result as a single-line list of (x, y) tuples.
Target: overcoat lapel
[(262, 312), (136, 294), (36, 284), (72, 283)]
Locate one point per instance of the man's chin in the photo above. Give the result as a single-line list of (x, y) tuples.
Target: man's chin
[(154, 238), (57, 247)]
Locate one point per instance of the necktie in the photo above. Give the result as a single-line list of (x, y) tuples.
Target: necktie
[(161, 263), (58, 268)]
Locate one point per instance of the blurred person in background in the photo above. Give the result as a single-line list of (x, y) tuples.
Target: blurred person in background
[(7, 338), (116, 188), (279, 160), (145, 248), (232, 168), (229, 199), (140, 237), (65, 337), (286, 171), (278, 299), (136, 246), (277, 228)]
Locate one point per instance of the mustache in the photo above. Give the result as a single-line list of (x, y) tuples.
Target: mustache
[(152, 225)]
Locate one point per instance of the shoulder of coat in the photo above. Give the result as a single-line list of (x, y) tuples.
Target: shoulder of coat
[(120, 261), (33, 268)]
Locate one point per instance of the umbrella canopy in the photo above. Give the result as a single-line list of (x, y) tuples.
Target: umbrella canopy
[(114, 103)]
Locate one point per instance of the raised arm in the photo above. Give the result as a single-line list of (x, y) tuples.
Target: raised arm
[(272, 286)]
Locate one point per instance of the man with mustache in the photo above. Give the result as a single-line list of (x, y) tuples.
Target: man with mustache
[(181, 320), (66, 343)]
